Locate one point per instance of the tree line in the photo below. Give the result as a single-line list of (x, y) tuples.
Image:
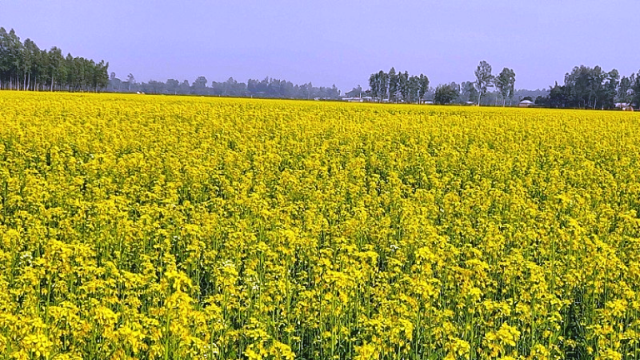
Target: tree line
[(400, 87), (584, 87), (396, 87), (266, 88), (24, 66), (592, 88)]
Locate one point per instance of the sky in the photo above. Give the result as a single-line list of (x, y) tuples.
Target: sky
[(336, 42)]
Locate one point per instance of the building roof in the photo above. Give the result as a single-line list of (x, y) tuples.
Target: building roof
[(526, 102)]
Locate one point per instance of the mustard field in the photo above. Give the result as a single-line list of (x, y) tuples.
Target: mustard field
[(142, 227)]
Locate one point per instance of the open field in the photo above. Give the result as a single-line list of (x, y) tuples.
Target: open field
[(191, 228)]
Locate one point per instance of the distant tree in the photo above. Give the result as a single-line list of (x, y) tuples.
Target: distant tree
[(403, 85), (610, 89), (374, 83), (306, 91), (424, 86), (29, 65), (468, 92), (635, 86), (234, 88), (131, 80), (153, 87), (505, 84), (446, 93), (355, 92), (72, 72), (200, 85), (595, 80), (393, 85), (383, 84), (99, 75), (414, 89), (624, 90), (114, 83), (172, 86), (56, 71), (558, 96), (185, 88), (484, 79)]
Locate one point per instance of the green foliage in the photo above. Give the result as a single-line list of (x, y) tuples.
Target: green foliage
[(409, 89), (24, 66), (446, 93), (505, 83), (484, 79)]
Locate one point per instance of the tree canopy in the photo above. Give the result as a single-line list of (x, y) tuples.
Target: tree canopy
[(266, 88), (24, 66), (400, 87), (593, 88)]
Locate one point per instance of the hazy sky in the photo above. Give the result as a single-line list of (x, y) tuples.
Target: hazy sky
[(336, 42)]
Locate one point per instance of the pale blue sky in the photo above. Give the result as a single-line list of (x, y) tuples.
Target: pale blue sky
[(339, 42)]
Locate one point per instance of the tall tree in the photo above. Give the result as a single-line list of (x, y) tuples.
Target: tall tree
[(624, 90), (610, 89), (484, 79), (414, 89), (374, 83), (446, 93), (424, 86), (595, 79), (56, 61), (200, 85), (100, 77), (172, 86), (403, 85), (185, 88), (131, 80), (393, 85), (383, 84), (505, 84), (468, 92), (635, 86)]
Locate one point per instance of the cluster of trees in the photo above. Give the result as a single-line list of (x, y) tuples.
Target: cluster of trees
[(474, 92), (592, 88), (396, 87), (24, 66), (411, 89), (266, 88)]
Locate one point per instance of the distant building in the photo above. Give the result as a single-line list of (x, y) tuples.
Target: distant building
[(525, 103), (624, 106), (358, 99)]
